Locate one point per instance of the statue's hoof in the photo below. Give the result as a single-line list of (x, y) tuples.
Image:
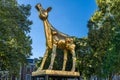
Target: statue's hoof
[(73, 70), (63, 69), (39, 69), (50, 68)]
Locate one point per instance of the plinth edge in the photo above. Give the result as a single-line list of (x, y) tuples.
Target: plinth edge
[(55, 73)]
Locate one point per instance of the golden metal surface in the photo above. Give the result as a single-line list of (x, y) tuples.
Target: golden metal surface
[(55, 39), (56, 73)]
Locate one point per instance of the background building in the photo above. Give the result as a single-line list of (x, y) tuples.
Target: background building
[(26, 70)]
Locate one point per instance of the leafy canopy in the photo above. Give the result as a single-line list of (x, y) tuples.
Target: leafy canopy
[(15, 43)]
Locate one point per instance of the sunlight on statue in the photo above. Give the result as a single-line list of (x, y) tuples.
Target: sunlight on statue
[(54, 40)]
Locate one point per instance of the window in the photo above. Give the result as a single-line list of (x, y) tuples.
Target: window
[(28, 77), (28, 69)]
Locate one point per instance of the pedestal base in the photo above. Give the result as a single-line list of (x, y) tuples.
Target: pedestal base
[(54, 74)]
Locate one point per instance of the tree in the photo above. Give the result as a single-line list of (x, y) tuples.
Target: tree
[(104, 37), (85, 61), (15, 43)]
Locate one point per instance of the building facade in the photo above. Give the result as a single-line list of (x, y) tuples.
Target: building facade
[(26, 70)]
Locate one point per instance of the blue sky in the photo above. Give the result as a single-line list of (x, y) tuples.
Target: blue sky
[(67, 16)]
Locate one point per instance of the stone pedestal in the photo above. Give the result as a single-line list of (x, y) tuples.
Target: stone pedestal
[(55, 75)]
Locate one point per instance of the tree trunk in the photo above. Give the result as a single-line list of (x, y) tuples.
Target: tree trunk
[(110, 77)]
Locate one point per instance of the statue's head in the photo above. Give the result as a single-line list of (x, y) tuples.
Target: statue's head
[(42, 12)]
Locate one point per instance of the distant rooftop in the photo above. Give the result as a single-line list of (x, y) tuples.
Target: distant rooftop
[(32, 60)]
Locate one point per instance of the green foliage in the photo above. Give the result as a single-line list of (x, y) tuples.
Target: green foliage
[(58, 63), (84, 63), (38, 62), (99, 54), (15, 43), (103, 37), (58, 60)]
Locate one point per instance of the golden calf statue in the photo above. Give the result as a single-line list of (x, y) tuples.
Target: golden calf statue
[(54, 40)]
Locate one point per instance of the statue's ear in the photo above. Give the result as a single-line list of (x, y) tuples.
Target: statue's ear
[(49, 9), (37, 6)]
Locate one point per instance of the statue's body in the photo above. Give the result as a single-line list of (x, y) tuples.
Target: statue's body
[(55, 39)]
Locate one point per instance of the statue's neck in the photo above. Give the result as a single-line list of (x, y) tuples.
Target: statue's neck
[(48, 32)]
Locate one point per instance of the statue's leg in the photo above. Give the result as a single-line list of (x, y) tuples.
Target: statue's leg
[(52, 57), (74, 60), (44, 59), (65, 59), (73, 57)]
